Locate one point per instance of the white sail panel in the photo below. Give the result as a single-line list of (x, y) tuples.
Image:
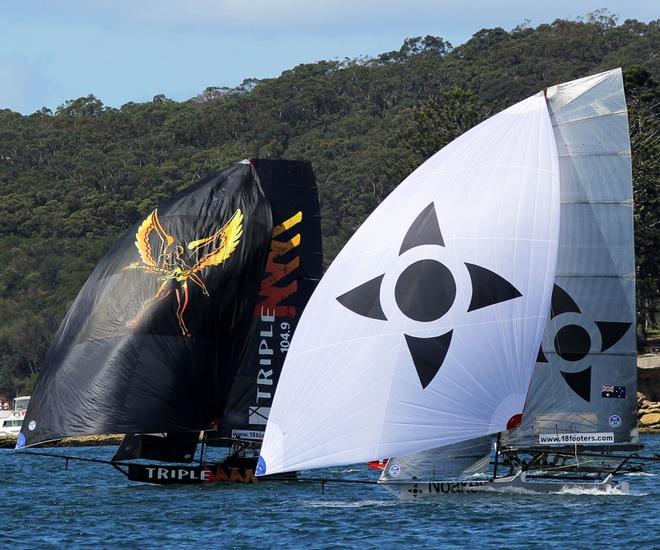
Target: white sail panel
[(460, 460), (424, 330)]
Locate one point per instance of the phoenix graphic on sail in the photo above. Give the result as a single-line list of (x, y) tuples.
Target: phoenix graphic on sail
[(174, 267)]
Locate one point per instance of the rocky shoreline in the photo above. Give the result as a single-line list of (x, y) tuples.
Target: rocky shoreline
[(648, 394), (649, 415)]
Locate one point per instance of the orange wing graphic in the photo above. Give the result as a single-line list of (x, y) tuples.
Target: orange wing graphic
[(143, 243), (172, 269), (227, 239)]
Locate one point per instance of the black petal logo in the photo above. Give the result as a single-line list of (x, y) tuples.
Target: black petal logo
[(573, 343), (425, 291), (365, 299)]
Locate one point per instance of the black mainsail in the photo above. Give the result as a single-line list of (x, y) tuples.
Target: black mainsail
[(164, 327), (293, 269)]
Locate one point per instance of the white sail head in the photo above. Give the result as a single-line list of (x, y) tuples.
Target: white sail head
[(424, 330)]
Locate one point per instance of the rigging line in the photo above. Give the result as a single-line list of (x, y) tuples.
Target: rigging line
[(621, 465), (116, 466), (591, 117), (613, 154), (604, 454), (69, 457), (236, 439), (577, 459), (564, 467)]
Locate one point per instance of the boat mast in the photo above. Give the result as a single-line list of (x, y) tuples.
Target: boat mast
[(202, 449), (497, 454)]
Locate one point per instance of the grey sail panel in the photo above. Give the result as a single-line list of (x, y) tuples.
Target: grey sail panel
[(584, 382), (595, 241)]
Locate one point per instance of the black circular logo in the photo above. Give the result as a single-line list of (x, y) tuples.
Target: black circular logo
[(425, 290), (572, 342)]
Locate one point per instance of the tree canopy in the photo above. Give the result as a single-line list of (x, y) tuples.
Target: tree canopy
[(73, 180)]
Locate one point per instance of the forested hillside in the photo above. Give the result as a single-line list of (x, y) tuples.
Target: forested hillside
[(71, 181)]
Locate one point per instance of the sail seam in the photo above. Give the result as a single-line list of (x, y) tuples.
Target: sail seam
[(489, 166), (613, 354), (603, 275), (627, 202), (567, 122), (613, 154)]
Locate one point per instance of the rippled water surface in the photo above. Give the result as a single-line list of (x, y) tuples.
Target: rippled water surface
[(93, 506)]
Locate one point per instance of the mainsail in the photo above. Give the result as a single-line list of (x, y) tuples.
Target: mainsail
[(424, 330), (166, 447), (154, 340), (293, 269), (583, 389)]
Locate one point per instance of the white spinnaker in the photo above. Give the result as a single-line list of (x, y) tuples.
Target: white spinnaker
[(350, 391)]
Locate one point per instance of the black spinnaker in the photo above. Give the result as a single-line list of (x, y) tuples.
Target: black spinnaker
[(293, 268), (155, 338)]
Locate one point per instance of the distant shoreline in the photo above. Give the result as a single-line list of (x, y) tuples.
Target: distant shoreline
[(648, 401), (9, 442)]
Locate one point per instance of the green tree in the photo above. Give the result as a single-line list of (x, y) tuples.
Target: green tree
[(643, 97), (72, 181)]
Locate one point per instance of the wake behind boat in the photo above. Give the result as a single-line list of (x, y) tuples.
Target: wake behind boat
[(517, 483)]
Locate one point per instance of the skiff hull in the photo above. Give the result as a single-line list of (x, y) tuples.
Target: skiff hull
[(197, 475), (512, 484)]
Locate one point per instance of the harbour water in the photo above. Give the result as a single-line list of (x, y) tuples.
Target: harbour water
[(91, 505)]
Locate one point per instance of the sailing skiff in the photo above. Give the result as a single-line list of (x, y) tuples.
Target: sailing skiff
[(478, 328), (183, 326), (490, 295)]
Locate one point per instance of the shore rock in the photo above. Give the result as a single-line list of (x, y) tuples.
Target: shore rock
[(648, 395), (649, 419)]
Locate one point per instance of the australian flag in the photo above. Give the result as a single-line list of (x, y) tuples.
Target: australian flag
[(613, 392)]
